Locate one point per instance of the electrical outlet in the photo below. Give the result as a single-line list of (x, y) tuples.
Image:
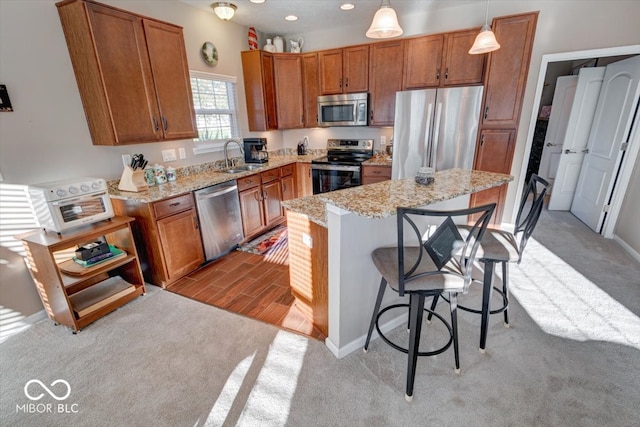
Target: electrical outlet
[(169, 155), (126, 159), (182, 153), (383, 140)]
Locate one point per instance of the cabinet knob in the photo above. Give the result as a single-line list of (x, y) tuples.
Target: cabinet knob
[(340, 84), (346, 82), (438, 74), (482, 140), (155, 124), (164, 123), (446, 73), (486, 112)]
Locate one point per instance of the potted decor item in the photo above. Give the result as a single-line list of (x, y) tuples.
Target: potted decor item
[(278, 43), (269, 47)]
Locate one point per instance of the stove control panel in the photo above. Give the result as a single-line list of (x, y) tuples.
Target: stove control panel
[(350, 144)]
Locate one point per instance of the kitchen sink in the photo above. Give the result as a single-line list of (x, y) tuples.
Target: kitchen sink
[(243, 168)]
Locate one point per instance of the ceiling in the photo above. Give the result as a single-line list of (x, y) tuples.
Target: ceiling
[(316, 15)]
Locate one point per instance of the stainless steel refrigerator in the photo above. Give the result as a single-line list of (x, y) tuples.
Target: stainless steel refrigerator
[(436, 128)]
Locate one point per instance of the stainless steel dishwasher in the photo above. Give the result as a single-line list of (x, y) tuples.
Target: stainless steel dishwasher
[(220, 220)]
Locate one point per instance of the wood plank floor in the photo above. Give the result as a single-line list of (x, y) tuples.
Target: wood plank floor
[(249, 285)]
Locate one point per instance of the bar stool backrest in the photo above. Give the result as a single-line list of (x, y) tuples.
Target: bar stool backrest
[(529, 210)]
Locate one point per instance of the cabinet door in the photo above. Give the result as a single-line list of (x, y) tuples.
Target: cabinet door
[(507, 70), (494, 154), (181, 243), (127, 106), (257, 71), (288, 186), (304, 183), (310, 89), (288, 84), (252, 211), (386, 80), (172, 82), (422, 62), (272, 195), (355, 72), (330, 62), (460, 68)]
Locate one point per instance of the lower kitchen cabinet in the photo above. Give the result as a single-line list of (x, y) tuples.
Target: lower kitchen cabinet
[(260, 197), (304, 181), (375, 173), (288, 182), (167, 236), (74, 295)]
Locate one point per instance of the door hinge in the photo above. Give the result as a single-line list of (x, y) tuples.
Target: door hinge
[(606, 208), (624, 146)]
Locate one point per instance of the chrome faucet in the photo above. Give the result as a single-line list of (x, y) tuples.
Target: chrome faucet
[(226, 153)]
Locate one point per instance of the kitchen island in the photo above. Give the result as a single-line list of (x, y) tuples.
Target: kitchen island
[(332, 235)]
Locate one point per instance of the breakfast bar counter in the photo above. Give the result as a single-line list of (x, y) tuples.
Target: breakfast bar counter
[(332, 235)]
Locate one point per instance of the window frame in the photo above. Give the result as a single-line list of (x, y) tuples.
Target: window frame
[(213, 145)]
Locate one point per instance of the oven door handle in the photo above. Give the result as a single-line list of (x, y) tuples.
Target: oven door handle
[(335, 167)]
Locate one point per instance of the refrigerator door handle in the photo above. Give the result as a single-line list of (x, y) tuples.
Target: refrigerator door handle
[(436, 134), (427, 137)]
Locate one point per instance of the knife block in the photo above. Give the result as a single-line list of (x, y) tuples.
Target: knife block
[(132, 180)]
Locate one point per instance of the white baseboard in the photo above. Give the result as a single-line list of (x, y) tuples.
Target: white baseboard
[(358, 343), (627, 248)]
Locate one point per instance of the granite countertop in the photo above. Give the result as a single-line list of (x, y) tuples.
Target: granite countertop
[(199, 176), (378, 160), (381, 199)]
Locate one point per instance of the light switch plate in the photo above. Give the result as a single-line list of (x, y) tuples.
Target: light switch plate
[(169, 155), (182, 153), (383, 140)]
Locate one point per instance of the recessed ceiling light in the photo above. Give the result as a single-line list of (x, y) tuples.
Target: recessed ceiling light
[(347, 6), (291, 18), (257, 1)]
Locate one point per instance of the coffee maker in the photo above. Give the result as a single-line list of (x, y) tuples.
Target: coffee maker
[(255, 150)]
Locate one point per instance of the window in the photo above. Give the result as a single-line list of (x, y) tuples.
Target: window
[(216, 108)]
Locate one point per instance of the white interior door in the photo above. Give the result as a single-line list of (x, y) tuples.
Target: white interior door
[(560, 110), (611, 128), (576, 137)]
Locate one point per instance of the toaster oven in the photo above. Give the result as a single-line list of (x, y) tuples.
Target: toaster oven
[(62, 205)]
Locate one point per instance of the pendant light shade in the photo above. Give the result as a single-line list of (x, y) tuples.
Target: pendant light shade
[(224, 10), (385, 23), (486, 40)]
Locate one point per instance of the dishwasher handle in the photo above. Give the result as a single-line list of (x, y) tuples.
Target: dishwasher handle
[(208, 193)]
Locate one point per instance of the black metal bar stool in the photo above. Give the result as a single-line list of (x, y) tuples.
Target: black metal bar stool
[(503, 247), (427, 265)]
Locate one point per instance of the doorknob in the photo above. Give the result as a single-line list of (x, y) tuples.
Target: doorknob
[(569, 152), (551, 145), (585, 151)]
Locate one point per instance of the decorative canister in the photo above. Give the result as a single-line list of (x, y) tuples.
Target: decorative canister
[(171, 174), (278, 43), (425, 175), (160, 174), (149, 175), (269, 47), (253, 39)]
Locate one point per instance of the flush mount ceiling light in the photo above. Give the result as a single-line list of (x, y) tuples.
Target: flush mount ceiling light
[(291, 18), (224, 10), (257, 1), (347, 6), (486, 40), (385, 23)]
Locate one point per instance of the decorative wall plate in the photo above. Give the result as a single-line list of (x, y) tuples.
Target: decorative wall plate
[(209, 54)]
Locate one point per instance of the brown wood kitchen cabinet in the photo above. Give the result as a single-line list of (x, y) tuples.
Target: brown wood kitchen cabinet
[(310, 89), (442, 60), (344, 70), (259, 87), (167, 235), (385, 79), (260, 196), (375, 173), (74, 295), (287, 70), (288, 182), (505, 81), (304, 181), (131, 72)]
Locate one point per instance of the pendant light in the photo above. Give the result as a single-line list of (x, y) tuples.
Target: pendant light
[(385, 23), (224, 10), (486, 40)]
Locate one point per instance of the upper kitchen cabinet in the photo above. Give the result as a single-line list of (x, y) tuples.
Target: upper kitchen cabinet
[(385, 79), (132, 74), (507, 70), (287, 70), (310, 89), (344, 70), (442, 60), (259, 88)]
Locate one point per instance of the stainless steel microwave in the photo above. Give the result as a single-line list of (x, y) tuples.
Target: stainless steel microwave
[(350, 109)]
